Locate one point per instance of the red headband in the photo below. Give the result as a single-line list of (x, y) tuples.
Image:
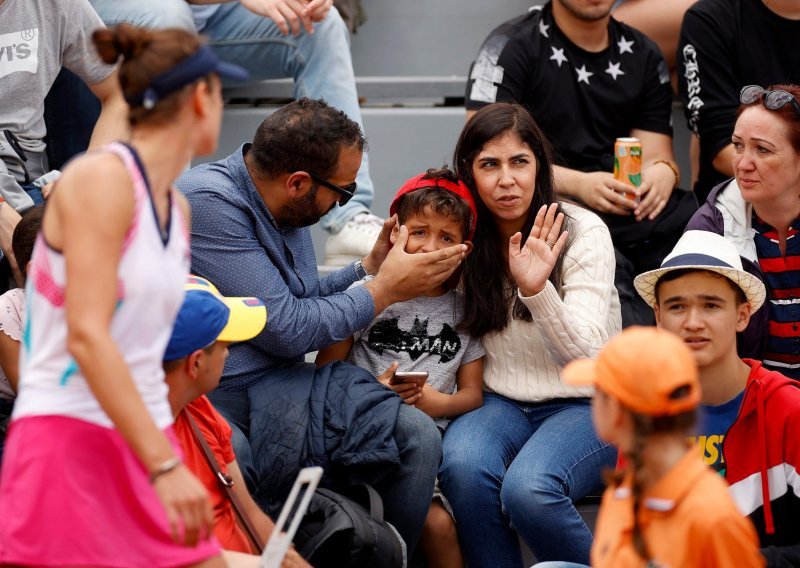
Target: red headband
[(417, 182)]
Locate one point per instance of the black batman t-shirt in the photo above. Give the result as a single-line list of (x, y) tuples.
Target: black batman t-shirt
[(583, 101)]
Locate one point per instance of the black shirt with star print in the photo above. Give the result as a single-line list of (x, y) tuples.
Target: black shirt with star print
[(583, 101)]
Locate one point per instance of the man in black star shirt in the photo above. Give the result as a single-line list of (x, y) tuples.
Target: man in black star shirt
[(725, 45), (587, 80)]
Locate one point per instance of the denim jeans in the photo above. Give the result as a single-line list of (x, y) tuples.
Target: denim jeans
[(406, 490), (517, 466), (320, 64), (34, 192)]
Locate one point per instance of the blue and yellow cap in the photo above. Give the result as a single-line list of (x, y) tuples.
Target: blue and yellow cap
[(207, 316)]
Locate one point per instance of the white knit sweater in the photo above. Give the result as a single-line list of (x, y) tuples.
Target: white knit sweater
[(523, 362)]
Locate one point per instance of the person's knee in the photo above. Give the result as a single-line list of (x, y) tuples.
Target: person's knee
[(439, 526), (416, 434), (525, 492), (332, 24), (156, 14), (465, 468), (173, 15)]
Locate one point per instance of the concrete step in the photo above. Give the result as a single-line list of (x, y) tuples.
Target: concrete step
[(425, 38), (434, 89)]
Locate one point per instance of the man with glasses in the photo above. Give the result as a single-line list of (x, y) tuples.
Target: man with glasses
[(588, 79), (250, 236), (724, 45)]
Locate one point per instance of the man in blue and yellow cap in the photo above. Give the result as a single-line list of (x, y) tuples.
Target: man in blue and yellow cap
[(206, 324)]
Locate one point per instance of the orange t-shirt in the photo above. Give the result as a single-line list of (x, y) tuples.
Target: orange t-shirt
[(217, 434), (687, 519)]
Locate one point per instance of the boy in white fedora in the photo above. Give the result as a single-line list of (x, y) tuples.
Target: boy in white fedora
[(702, 294)]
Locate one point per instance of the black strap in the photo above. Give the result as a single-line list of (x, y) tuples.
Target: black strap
[(373, 504), (226, 483)]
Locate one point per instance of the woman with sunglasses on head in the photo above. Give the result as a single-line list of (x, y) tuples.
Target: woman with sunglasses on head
[(520, 461), (92, 473), (759, 211)]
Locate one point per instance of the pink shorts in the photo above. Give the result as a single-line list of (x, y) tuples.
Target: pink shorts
[(73, 493)]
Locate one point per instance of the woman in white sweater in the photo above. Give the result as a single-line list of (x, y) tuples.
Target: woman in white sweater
[(523, 458)]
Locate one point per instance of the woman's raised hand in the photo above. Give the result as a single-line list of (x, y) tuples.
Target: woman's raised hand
[(531, 264)]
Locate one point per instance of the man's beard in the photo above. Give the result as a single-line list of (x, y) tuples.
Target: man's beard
[(302, 212)]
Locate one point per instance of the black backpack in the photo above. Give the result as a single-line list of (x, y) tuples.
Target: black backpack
[(348, 530)]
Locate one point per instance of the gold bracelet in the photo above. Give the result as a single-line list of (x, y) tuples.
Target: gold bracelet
[(674, 167)]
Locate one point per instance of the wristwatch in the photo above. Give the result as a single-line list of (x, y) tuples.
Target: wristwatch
[(361, 272)]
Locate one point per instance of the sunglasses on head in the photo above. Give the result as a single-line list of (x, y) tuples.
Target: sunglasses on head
[(773, 100), (346, 192)]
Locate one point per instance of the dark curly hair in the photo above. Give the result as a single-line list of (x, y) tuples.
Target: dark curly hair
[(305, 135)]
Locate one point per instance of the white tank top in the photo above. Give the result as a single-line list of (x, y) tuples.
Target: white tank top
[(150, 279)]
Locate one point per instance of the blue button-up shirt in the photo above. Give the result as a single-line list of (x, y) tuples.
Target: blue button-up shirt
[(237, 245)]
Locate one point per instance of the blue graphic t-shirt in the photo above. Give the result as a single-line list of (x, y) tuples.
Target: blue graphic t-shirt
[(712, 426)]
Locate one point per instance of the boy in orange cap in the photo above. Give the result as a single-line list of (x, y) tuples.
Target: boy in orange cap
[(666, 508)]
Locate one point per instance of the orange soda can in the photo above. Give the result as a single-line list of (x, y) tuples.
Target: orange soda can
[(628, 163)]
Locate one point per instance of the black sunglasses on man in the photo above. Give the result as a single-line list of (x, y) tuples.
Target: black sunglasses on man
[(346, 192)]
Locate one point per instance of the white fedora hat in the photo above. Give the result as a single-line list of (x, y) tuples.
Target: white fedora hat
[(703, 250)]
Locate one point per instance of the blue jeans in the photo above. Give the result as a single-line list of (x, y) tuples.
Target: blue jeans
[(515, 466), (34, 192), (406, 490), (320, 64)]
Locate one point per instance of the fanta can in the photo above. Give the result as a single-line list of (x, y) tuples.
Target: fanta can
[(628, 163)]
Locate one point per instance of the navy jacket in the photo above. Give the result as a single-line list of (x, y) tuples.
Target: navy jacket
[(335, 417)]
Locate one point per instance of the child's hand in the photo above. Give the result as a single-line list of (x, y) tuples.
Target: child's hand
[(386, 377), (424, 404), (409, 392)]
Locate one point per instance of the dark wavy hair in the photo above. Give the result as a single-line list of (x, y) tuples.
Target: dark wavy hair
[(489, 292), (305, 135), (24, 237)]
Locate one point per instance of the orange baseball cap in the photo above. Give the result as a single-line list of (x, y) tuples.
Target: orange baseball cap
[(645, 368)]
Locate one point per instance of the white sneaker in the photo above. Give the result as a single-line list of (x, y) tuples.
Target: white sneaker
[(354, 241)]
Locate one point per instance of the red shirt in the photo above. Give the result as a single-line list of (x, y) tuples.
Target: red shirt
[(217, 434)]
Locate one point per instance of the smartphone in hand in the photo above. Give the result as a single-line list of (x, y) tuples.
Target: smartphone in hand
[(418, 377)]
